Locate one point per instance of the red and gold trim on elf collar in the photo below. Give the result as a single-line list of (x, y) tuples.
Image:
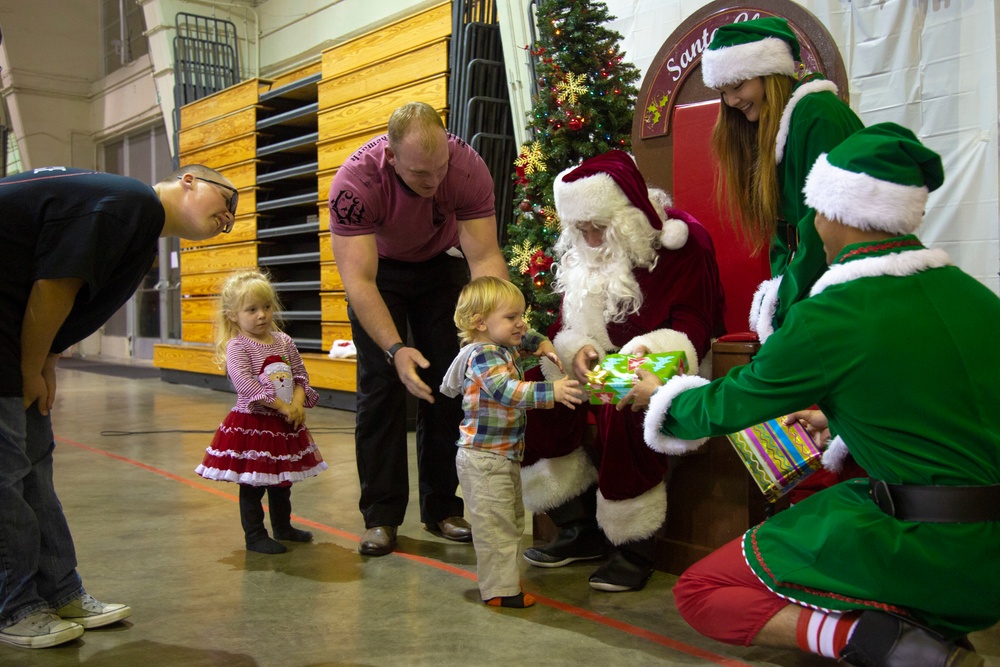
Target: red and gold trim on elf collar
[(886, 247)]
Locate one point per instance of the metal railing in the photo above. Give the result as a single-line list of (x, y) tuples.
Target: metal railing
[(206, 60), (479, 98)]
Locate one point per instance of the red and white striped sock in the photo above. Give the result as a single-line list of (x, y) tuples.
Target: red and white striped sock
[(825, 633)]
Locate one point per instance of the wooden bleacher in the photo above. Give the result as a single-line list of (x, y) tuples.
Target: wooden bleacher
[(347, 96)]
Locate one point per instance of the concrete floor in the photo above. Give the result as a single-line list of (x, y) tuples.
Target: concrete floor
[(151, 533)]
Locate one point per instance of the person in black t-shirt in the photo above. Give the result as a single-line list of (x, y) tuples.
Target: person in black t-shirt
[(74, 245)]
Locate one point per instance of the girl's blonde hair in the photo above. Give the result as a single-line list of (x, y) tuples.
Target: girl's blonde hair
[(479, 299), (747, 184), (236, 291)]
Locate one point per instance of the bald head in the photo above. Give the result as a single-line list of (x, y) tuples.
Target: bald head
[(418, 147), (417, 121)]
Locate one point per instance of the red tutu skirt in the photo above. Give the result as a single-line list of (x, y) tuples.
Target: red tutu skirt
[(260, 450)]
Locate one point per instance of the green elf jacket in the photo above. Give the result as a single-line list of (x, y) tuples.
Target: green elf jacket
[(813, 122), (897, 347)]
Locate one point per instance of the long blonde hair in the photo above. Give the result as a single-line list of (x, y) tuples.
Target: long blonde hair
[(236, 291), (747, 184)]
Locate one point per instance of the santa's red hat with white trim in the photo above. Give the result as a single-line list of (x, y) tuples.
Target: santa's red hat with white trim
[(606, 188)]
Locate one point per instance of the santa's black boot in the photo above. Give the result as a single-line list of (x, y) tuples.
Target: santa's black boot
[(252, 518), (628, 568), (579, 537), (883, 640), (279, 503)]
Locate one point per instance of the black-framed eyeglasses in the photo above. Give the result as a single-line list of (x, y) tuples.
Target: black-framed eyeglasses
[(231, 203)]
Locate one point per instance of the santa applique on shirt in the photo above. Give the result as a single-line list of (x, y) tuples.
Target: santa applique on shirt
[(278, 373)]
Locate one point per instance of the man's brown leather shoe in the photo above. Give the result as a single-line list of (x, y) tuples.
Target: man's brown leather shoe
[(378, 541), (453, 528)]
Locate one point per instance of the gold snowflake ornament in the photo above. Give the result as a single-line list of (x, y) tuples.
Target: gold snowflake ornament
[(531, 158), (521, 254), (571, 88), (551, 219), (529, 315)]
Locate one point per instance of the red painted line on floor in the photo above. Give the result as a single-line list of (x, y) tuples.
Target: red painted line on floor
[(663, 640), (200, 486), (621, 626)]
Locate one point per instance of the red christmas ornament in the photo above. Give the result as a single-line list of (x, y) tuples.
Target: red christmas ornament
[(538, 264), (575, 123), (520, 180), (525, 205)]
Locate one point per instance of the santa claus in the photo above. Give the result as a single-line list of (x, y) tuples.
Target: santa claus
[(635, 276)]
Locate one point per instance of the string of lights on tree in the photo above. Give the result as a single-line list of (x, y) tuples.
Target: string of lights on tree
[(584, 106)]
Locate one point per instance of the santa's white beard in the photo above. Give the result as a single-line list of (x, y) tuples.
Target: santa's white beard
[(598, 287)]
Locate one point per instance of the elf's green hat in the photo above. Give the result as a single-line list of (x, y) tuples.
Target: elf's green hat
[(877, 179), (741, 51)]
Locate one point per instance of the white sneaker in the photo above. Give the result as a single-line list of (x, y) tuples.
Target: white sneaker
[(39, 630), (90, 613)]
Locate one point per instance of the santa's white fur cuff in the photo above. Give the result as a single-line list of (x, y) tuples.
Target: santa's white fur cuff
[(632, 519), (549, 483), (568, 342)]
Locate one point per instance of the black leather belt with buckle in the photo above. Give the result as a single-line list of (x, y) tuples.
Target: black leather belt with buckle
[(937, 504)]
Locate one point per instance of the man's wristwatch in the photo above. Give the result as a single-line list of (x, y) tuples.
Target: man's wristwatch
[(391, 352)]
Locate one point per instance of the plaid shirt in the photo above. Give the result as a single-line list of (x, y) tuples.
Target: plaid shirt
[(495, 398)]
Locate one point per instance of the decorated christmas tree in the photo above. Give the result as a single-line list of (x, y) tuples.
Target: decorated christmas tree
[(583, 107)]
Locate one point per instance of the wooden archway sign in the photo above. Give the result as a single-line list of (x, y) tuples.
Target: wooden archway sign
[(674, 77)]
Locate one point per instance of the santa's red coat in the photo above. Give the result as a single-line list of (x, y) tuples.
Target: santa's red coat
[(682, 293)]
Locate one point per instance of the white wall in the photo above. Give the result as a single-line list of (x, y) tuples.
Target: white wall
[(48, 93), (297, 31), (932, 66), (124, 100), (274, 36)]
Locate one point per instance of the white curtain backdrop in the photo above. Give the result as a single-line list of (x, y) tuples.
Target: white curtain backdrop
[(931, 65)]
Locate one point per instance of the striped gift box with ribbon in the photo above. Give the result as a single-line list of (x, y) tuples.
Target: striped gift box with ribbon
[(777, 456)]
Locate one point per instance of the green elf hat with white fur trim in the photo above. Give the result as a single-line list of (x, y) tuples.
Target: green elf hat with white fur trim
[(877, 179), (741, 51)]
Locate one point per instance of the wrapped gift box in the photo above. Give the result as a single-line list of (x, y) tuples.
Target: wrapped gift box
[(777, 456), (616, 374)]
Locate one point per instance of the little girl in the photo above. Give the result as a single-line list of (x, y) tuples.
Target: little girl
[(489, 317), (263, 443)]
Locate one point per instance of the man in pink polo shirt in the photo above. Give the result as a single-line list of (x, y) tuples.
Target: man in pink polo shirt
[(411, 216)]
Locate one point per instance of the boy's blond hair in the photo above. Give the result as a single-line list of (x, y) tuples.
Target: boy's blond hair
[(238, 288), (478, 299)]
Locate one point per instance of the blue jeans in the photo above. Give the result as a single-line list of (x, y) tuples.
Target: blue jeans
[(37, 557)]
